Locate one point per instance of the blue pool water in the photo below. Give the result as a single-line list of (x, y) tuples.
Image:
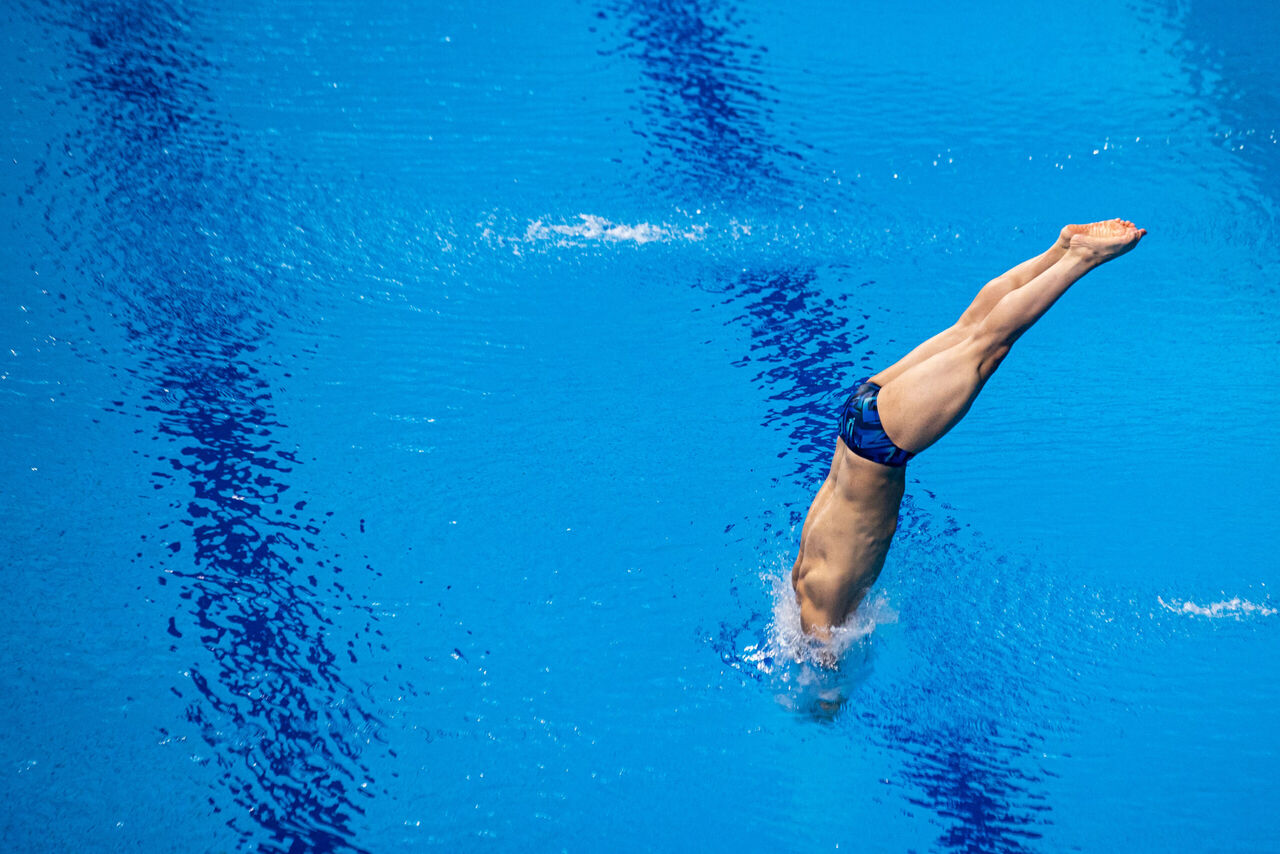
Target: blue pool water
[(410, 413)]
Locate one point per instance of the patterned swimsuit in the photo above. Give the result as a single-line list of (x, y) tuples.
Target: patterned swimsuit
[(861, 429)]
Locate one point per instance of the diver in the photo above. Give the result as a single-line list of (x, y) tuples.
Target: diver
[(897, 413)]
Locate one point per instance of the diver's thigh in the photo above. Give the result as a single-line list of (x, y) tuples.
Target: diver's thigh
[(923, 403)]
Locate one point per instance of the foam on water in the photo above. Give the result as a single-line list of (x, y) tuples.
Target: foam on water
[(590, 227), (1234, 607)]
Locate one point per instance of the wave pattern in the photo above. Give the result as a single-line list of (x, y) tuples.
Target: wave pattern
[(186, 254), (704, 107)]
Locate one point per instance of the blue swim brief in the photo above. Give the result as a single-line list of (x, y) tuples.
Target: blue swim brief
[(861, 429)]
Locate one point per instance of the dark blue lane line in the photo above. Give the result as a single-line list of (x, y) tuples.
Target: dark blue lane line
[(802, 352), (705, 113), (184, 226), (703, 108)]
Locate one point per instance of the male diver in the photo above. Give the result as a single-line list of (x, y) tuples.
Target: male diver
[(897, 413)]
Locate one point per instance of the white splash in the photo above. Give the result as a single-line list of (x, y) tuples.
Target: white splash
[(788, 643), (591, 228), (1235, 607)]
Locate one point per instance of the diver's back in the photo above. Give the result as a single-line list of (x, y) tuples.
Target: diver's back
[(846, 537)]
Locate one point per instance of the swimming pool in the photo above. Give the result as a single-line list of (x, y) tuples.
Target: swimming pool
[(411, 413)]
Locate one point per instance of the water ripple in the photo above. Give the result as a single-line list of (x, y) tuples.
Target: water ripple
[(183, 265)]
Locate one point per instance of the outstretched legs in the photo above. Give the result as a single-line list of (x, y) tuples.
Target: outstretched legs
[(981, 306), (852, 520), (926, 393)]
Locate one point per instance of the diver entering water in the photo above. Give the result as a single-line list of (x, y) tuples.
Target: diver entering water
[(897, 413)]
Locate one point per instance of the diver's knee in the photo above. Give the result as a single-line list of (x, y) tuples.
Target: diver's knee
[(991, 360), (989, 349)]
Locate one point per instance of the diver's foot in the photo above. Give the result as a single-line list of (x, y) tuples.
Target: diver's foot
[(1098, 242), (1070, 231), (1064, 236)]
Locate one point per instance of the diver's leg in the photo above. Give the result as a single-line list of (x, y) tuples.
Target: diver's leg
[(991, 294), (923, 402)]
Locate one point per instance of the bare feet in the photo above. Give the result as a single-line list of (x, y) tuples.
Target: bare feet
[(1101, 241), (1064, 236)]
